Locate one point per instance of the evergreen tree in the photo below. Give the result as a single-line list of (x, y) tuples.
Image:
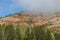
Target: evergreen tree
[(1, 33), (48, 35), (40, 32), (57, 36), (18, 34), (29, 34), (9, 32)]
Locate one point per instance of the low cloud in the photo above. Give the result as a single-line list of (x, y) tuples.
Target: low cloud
[(39, 5)]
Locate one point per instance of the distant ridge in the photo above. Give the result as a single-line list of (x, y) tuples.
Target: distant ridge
[(22, 18)]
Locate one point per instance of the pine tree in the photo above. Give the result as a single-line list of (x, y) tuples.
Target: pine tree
[(48, 35), (9, 32), (1, 33), (40, 32), (18, 34), (29, 34), (57, 36)]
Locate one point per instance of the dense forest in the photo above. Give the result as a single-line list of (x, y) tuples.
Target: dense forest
[(22, 32)]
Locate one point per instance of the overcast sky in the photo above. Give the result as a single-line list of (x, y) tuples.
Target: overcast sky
[(13, 6)]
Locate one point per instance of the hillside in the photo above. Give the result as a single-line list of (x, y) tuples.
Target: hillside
[(24, 26), (23, 18), (26, 18)]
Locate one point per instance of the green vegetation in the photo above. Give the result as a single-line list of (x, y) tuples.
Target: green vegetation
[(22, 32), (57, 36)]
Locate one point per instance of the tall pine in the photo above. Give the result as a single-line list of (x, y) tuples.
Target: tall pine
[(18, 33), (9, 32)]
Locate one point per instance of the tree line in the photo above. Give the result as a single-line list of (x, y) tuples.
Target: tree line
[(22, 32)]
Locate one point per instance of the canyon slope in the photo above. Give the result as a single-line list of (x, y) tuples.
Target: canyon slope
[(23, 18)]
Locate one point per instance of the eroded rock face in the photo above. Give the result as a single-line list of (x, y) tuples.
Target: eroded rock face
[(24, 19)]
